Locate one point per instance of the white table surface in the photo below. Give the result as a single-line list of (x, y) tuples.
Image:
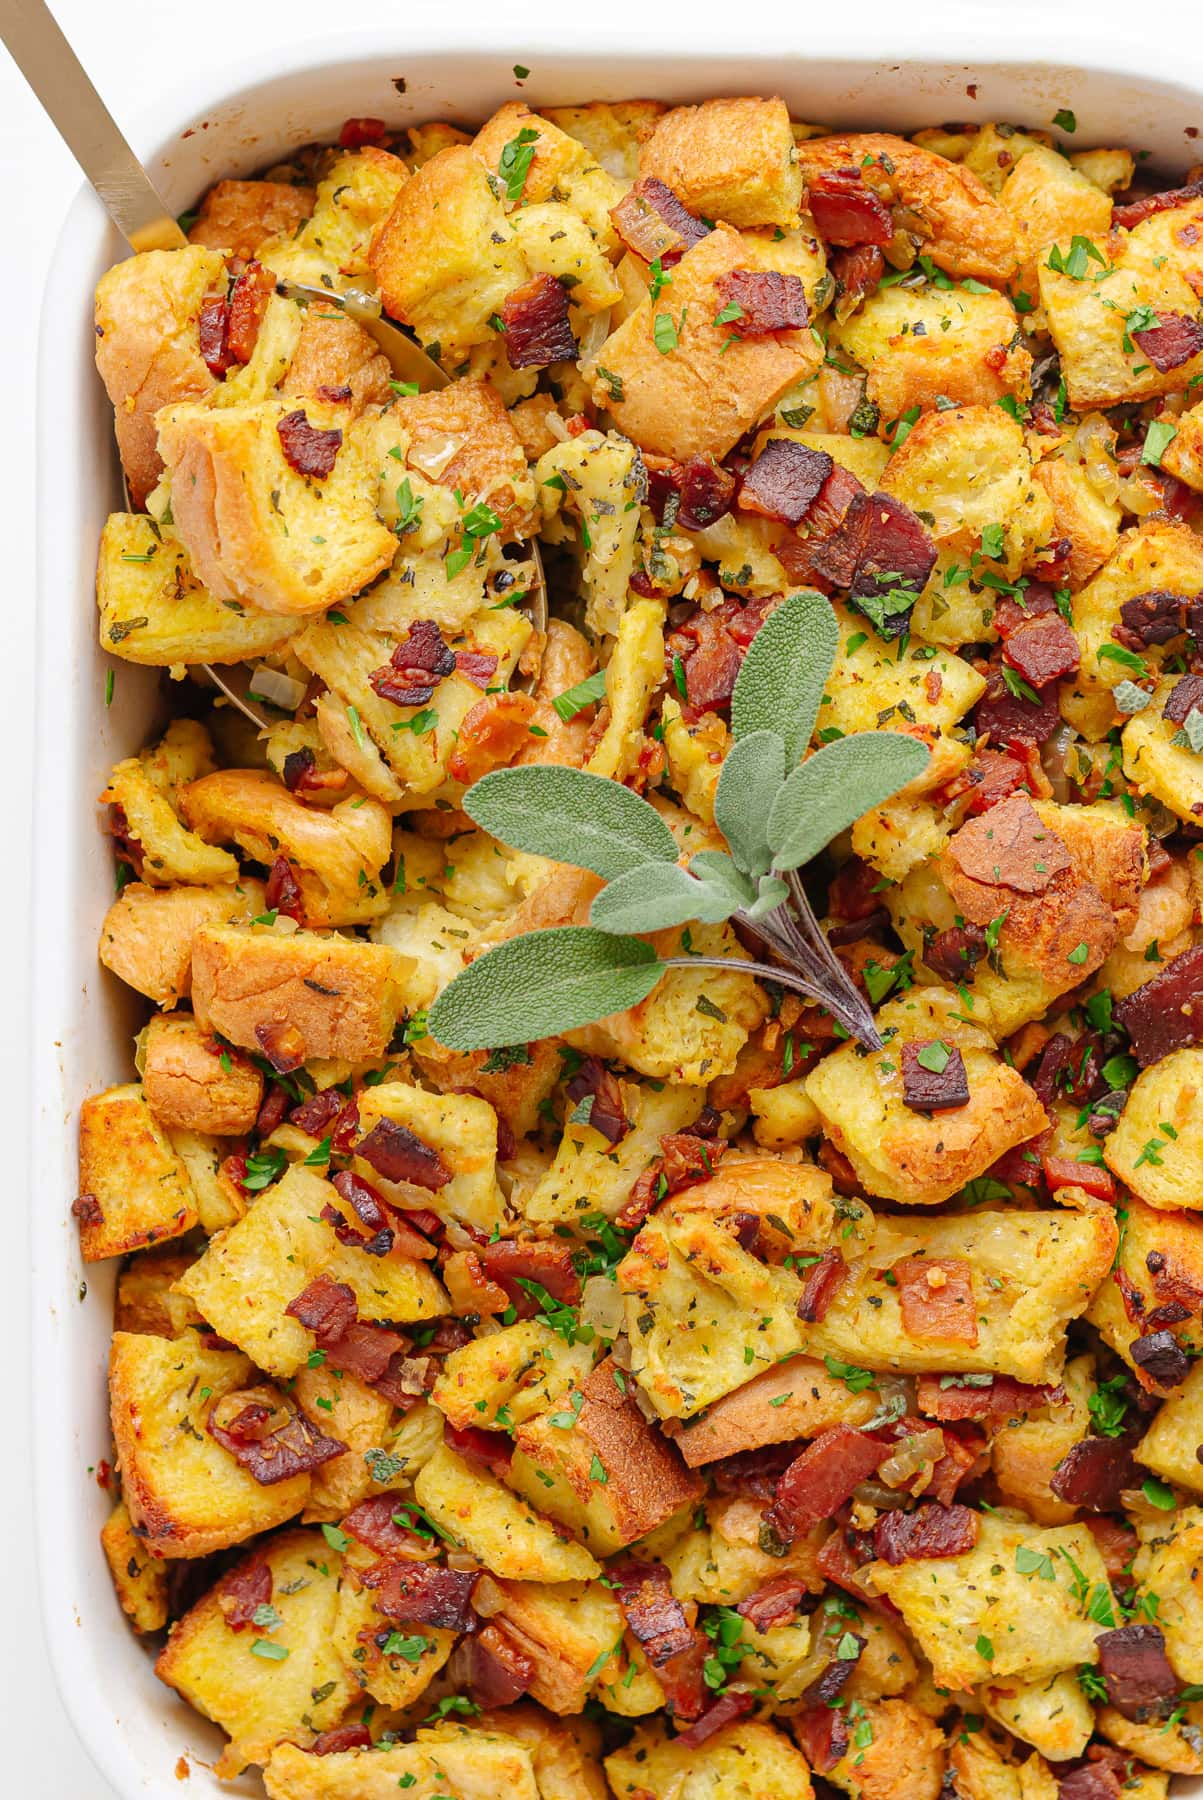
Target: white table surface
[(130, 47)]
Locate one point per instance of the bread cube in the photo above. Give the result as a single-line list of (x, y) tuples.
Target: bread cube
[(239, 216), (978, 1617), (556, 241), (589, 1175), (495, 1525), (565, 1752), (714, 1556), (1168, 1446), (250, 1274), (146, 937), (970, 233), (1167, 1564), (1050, 202), (792, 1399), (188, 1080), (982, 1773), (471, 1765), (141, 1583), (219, 1199), (707, 390), (1158, 554), (238, 1678), (145, 1298), (354, 198), (1103, 365), (748, 1758), (572, 1631), (1032, 1272), (1055, 1716), (133, 1188), (447, 256), (487, 463), (249, 521), (611, 131), (922, 1158), (903, 1759), (561, 167), (168, 852), (926, 343), (1172, 1744), (522, 1369), (337, 852), (873, 688), (186, 1495), (397, 1677), (1158, 759), (1080, 513), (969, 469), (462, 1128), (1157, 1147), (1027, 1449), (602, 481), (148, 347), (333, 352), (728, 159), (1178, 1236), (341, 994)]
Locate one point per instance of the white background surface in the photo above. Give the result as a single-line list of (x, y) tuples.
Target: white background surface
[(133, 48)]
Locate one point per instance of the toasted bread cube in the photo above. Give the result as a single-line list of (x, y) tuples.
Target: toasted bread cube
[(922, 1158), (1168, 1446), (1055, 1716), (613, 1478), (146, 1301), (1158, 759), (977, 1617), (1157, 1147), (134, 1190), (1026, 1450), (926, 343), (561, 167), (462, 1128), (354, 198), (148, 347), (565, 1752), (556, 241), (238, 1678), (611, 131), (707, 391), (904, 1759), (219, 1199), (186, 1495), (1103, 365), (970, 233), (168, 851), (337, 852), (447, 256), (728, 159), (602, 482), (714, 1556), (523, 1369), (1158, 554), (487, 463), (249, 521), (570, 1631), (146, 937), (470, 1764), (397, 1676), (1031, 1273), (747, 1758), (1167, 1564), (1050, 202), (1080, 513), (250, 1273), (154, 611), (793, 1399), (968, 468), (495, 1525), (1178, 1236), (1171, 1744), (588, 1174), (188, 1080), (141, 1583), (874, 679), (238, 216), (333, 352), (339, 993), (358, 1417)]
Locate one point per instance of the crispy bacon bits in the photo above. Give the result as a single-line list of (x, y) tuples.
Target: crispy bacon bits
[(823, 1283), (846, 212), (956, 952), (1153, 618), (423, 1594), (1134, 212), (686, 1157), (597, 1100), (1166, 1014), (1160, 1356), (283, 1046), (343, 1737), (766, 301), (727, 1708), (248, 304), (416, 666), (933, 1077), (242, 1592), (512, 1261), (784, 480), (820, 1480), (774, 1603), (272, 1454), (491, 1667), (377, 1523), (935, 1296), (652, 1610), (654, 222), (1094, 1474), (900, 1537), (396, 1153), (307, 449), (1009, 847), (1185, 696), (1141, 1683), (881, 553), (282, 893), (1172, 341), (534, 320), (994, 1397), (1043, 650)]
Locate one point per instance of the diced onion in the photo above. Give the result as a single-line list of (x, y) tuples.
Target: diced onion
[(281, 690), (432, 453), (910, 1456), (1053, 758), (602, 1306), (594, 335)]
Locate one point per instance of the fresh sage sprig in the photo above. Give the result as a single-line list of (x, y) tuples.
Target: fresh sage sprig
[(776, 812)]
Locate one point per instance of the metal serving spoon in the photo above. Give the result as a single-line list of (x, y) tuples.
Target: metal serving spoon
[(56, 75)]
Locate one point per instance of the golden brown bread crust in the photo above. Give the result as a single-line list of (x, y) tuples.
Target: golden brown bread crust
[(489, 463), (133, 1188), (728, 159), (794, 1399), (189, 1079), (238, 216), (334, 353), (147, 933)]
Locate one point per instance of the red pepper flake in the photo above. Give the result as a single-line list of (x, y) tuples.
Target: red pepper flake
[(846, 212), (767, 301), (784, 480), (935, 1295), (534, 319), (1010, 847), (307, 449), (934, 1078)]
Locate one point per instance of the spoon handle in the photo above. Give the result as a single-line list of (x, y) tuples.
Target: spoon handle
[(55, 74)]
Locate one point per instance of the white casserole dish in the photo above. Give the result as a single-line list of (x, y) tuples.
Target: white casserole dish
[(1136, 94)]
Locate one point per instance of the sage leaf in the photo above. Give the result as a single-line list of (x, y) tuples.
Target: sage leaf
[(661, 894), (719, 873), (780, 686), (752, 773), (578, 818), (771, 893), (835, 786), (542, 984)]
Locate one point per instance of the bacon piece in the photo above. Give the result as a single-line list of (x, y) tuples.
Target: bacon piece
[(846, 212), (1012, 718), (1010, 847), (822, 1734), (828, 1687), (956, 952), (510, 1261), (87, 1209), (1185, 696), (356, 133), (933, 1090), (820, 1480), (130, 848), (857, 272), (1063, 1171), (728, 1707), (685, 1159), (1153, 618), (272, 1111), (1161, 1357), (491, 1667), (711, 669), (307, 449), (494, 731), (753, 1474), (294, 1448), (283, 891), (784, 480), (823, 1283), (534, 322), (1141, 1684), (283, 1046), (376, 1523), (1013, 611), (491, 1449), (302, 775), (995, 775), (1166, 1013), (881, 553), (326, 1307), (313, 1115), (1133, 212), (369, 1208), (767, 301), (707, 492), (343, 1737), (248, 304), (778, 1600), (935, 1295), (1094, 1474), (931, 1531), (1118, 1544), (606, 1114), (423, 1594), (372, 1353), (963, 1456), (417, 665), (242, 1592), (1090, 1781), (651, 1609), (213, 327), (1043, 650), (654, 222), (476, 666), (398, 1155)]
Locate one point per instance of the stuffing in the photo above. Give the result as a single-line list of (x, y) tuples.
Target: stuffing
[(1156, 1148), (1054, 1716), (487, 464), (146, 937), (495, 1525), (189, 1080), (354, 198), (1027, 1449), (1155, 556), (1149, 1231), (472, 1765), (141, 1583), (462, 1131), (239, 216), (559, 167), (924, 344), (746, 1761), (1168, 1447), (733, 160), (1050, 203), (133, 1188)]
